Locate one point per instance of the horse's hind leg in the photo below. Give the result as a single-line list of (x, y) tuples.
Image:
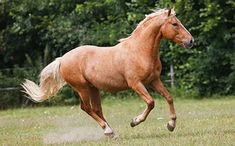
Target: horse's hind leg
[(85, 94), (96, 102)]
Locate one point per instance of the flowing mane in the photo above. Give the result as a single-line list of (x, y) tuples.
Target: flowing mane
[(148, 17)]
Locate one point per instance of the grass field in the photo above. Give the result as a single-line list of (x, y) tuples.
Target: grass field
[(207, 122)]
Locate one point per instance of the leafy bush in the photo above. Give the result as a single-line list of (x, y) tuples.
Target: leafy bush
[(45, 29)]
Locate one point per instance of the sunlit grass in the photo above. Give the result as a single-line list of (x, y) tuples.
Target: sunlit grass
[(200, 122)]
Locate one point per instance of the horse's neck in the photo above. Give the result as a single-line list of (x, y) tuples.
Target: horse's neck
[(147, 40)]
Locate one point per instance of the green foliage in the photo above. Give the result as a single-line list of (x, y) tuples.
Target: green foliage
[(213, 67), (10, 81), (45, 29), (208, 67)]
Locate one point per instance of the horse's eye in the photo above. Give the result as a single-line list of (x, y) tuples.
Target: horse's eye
[(175, 24)]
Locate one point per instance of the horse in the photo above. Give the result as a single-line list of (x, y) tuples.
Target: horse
[(133, 63)]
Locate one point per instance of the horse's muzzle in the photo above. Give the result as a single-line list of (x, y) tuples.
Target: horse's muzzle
[(189, 43)]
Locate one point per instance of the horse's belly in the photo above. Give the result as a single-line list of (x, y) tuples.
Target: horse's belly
[(108, 82)]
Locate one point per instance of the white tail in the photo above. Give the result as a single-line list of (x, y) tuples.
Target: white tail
[(50, 83)]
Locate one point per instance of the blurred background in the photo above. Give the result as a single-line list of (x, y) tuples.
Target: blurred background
[(34, 32)]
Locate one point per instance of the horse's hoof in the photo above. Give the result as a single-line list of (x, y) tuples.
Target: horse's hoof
[(170, 128), (133, 123)]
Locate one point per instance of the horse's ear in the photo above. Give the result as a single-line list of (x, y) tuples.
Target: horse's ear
[(169, 12)]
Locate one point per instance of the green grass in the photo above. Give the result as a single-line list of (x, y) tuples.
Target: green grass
[(200, 122)]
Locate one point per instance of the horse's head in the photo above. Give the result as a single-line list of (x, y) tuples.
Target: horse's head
[(172, 29)]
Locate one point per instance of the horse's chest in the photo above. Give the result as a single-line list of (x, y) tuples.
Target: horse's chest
[(151, 73), (149, 76)]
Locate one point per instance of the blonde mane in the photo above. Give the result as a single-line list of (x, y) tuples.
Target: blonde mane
[(148, 17)]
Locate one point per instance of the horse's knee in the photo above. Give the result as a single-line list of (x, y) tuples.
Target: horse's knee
[(151, 104)]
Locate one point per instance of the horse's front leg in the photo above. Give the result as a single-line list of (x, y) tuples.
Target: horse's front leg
[(159, 87), (139, 88)]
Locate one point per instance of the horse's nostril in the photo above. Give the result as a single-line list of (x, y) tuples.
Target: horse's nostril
[(191, 41)]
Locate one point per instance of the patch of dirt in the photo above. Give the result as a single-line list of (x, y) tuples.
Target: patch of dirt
[(73, 135)]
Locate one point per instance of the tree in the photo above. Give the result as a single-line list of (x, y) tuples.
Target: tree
[(33, 33)]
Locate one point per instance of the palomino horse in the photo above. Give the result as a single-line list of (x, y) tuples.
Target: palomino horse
[(131, 64)]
